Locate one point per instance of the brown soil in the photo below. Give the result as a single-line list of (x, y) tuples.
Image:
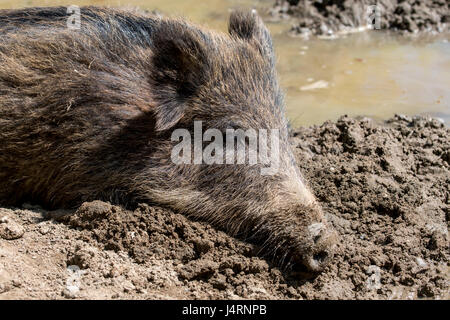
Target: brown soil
[(327, 17), (385, 188)]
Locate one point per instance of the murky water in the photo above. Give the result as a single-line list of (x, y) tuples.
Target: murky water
[(374, 74)]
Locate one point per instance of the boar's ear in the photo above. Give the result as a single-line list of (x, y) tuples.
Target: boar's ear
[(179, 64), (247, 25)]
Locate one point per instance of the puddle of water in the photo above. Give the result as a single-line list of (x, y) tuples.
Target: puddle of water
[(374, 74)]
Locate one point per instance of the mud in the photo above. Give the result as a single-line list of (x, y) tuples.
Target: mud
[(330, 17), (384, 186)]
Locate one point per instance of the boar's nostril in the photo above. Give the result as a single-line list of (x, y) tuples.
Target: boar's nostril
[(317, 261), (316, 238), (320, 257)]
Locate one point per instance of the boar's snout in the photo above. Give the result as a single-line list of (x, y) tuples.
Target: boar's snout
[(305, 235), (321, 251), (312, 239)]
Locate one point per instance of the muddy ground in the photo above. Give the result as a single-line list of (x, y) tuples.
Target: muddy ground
[(385, 188), (330, 17)]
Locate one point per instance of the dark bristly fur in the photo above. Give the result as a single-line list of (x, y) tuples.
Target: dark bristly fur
[(88, 114)]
